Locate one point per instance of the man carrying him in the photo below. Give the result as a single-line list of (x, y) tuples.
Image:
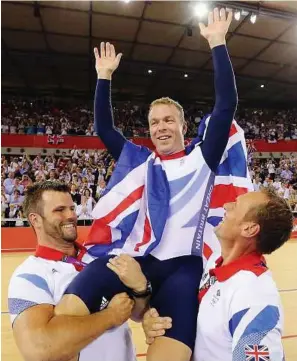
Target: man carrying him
[(240, 316), (38, 284), (156, 203)]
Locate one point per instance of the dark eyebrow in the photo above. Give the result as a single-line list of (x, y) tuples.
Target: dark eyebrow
[(59, 206)]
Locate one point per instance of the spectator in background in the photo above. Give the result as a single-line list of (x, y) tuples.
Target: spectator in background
[(41, 172), (84, 210), (257, 184), (5, 200), (9, 183), (26, 181), (50, 162), (16, 197), (75, 153), (40, 128), (101, 172), (76, 197), (100, 188), (271, 169), (18, 186), (286, 174), (89, 199), (52, 176), (36, 161)]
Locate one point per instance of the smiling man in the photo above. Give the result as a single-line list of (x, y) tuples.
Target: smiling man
[(38, 284)]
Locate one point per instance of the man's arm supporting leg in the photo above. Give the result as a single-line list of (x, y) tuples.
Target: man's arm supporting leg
[(91, 290)]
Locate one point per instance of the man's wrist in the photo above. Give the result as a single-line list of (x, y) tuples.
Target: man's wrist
[(216, 41), (141, 287), (106, 75), (111, 317), (143, 292)]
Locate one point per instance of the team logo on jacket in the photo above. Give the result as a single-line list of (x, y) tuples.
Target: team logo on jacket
[(256, 353)]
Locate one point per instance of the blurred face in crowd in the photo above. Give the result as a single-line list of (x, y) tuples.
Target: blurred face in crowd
[(102, 183), (73, 188), (10, 175), (235, 224), (87, 193), (167, 129), (56, 219), (16, 194)]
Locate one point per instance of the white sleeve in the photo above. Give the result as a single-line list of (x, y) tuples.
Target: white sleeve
[(256, 324), (27, 289)]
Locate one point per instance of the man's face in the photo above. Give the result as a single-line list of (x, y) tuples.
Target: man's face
[(235, 223), (166, 129), (59, 220)]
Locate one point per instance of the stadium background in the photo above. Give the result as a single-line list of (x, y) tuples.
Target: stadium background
[(48, 82)]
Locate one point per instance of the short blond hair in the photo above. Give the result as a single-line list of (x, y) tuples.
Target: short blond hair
[(169, 101)]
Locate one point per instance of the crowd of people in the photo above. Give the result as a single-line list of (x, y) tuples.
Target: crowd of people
[(87, 173), (43, 117)]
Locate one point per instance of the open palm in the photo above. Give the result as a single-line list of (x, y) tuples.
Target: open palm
[(218, 24), (107, 60)]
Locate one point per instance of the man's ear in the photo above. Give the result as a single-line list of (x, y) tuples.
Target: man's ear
[(185, 128), (34, 219), (250, 229)]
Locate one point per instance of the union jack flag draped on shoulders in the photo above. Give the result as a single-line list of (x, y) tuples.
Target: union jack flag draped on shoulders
[(133, 210)]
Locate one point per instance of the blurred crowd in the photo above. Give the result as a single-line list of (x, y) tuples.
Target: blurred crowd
[(87, 173), (43, 117), (281, 174)]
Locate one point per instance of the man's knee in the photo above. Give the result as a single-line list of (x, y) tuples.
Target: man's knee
[(96, 285)]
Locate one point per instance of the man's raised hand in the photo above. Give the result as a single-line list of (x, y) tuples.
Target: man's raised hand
[(217, 28), (107, 61)]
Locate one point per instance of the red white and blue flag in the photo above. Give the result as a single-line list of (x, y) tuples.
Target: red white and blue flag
[(256, 353), (134, 209)]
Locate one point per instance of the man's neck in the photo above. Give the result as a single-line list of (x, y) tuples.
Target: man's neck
[(59, 245), (237, 250)]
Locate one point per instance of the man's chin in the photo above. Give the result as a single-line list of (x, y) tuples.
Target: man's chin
[(70, 238), (164, 150)]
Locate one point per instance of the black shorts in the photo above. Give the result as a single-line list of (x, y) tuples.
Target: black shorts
[(175, 284)]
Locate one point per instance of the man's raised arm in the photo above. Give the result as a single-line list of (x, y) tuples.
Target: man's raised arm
[(218, 129), (106, 63)]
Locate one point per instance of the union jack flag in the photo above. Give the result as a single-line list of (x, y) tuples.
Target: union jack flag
[(132, 212), (256, 353)]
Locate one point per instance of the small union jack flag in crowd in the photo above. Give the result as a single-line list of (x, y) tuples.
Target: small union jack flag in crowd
[(256, 353)]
